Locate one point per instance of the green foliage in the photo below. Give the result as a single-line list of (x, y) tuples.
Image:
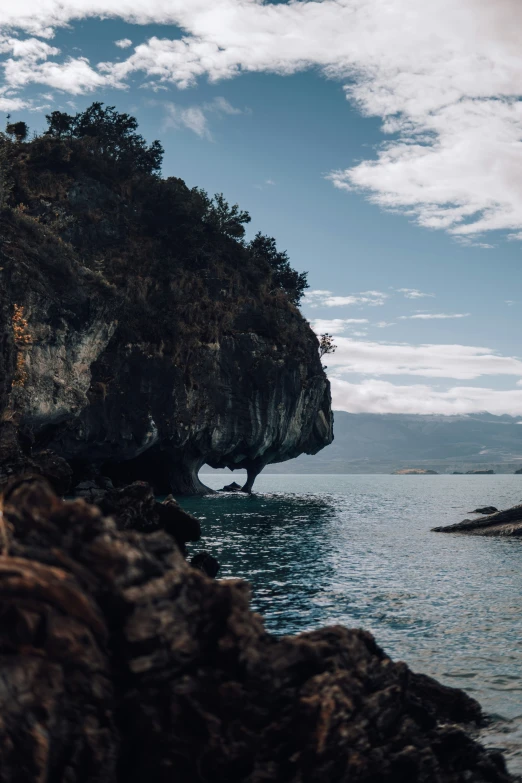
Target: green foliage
[(17, 129), (226, 219), (111, 134), (59, 124), (294, 283), (326, 344)]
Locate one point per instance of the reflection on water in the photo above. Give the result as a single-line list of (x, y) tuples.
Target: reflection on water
[(358, 550)]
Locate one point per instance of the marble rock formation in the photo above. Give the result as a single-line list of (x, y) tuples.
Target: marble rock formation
[(120, 350)]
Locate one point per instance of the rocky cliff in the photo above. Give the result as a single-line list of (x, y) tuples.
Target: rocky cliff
[(139, 334)]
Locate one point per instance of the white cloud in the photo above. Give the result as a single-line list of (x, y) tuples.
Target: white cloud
[(191, 117), (123, 43), (413, 293), (432, 316), (222, 106), (445, 77), (462, 362), (320, 298), (29, 48), (336, 325), (383, 324), (195, 118), (13, 104), (376, 396), (75, 75)]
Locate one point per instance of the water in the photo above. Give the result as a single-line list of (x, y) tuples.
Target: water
[(358, 550)]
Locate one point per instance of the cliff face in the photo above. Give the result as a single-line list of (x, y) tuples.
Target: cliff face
[(121, 350)]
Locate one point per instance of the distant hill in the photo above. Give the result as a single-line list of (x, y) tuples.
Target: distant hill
[(382, 443)]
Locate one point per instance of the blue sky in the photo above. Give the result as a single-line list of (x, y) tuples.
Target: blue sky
[(376, 142)]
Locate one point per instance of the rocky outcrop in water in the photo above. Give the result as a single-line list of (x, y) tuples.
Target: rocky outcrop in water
[(121, 663), (414, 472), (501, 523), (140, 336), (485, 510)]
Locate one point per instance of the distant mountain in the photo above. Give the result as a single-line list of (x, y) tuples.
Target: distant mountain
[(382, 443)]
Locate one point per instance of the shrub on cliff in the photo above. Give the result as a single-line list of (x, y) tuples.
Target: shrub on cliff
[(18, 130)]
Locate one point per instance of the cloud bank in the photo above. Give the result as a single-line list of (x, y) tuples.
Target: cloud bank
[(461, 362), (445, 77), (432, 316), (377, 396), (319, 298)]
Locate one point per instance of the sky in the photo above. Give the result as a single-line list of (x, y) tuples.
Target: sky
[(379, 142)]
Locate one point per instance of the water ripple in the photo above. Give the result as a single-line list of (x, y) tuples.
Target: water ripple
[(358, 550)]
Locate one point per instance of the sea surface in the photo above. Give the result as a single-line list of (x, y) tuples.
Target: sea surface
[(357, 550)]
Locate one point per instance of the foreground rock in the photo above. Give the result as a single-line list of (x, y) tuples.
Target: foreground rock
[(501, 523), (120, 663)]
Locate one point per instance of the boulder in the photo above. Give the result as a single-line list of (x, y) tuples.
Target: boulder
[(135, 508), (206, 563)]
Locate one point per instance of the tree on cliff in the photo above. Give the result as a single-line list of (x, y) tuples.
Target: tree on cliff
[(111, 134), (292, 282), (17, 129), (228, 220), (326, 344)]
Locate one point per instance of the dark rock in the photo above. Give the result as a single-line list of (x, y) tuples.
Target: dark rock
[(90, 491), (234, 487), (480, 472), (206, 563), (46, 463), (500, 523), (485, 510), (56, 470), (518, 472), (120, 663), (135, 508)]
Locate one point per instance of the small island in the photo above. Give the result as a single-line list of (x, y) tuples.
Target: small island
[(414, 472)]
